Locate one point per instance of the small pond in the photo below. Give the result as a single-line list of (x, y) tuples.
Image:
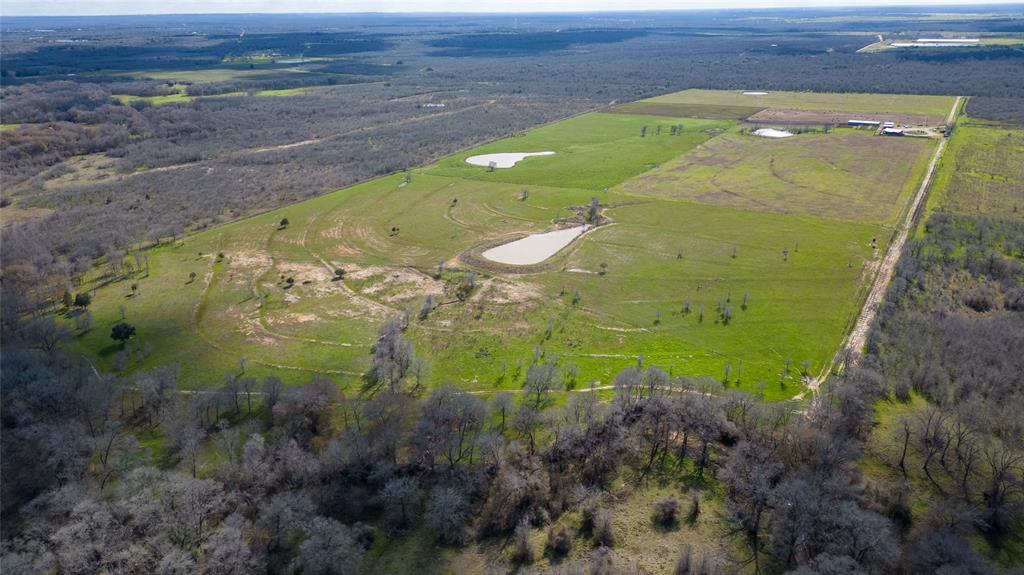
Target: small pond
[(534, 248), (504, 160), (772, 133)]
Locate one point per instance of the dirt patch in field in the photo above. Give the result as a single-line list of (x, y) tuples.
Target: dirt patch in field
[(501, 291), (248, 260), (794, 117), (396, 284)]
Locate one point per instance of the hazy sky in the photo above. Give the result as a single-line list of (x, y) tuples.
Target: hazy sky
[(99, 7)]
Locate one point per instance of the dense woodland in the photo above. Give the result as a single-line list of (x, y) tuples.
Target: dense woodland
[(128, 474)]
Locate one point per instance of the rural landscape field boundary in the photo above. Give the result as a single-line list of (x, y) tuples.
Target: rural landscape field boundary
[(854, 342)]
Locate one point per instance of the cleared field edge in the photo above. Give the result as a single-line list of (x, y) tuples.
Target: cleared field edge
[(700, 111), (857, 337), (841, 101)]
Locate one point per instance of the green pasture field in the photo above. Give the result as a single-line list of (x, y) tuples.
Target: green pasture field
[(873, 103), (846, 174), (182, 97), (5, 127), (177, 98), (214, 74), (982, 171), (792, 279), (594, 151), (713, 112)]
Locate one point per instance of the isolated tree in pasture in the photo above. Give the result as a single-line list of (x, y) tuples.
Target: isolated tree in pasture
[(83, 299), (83, 321), (191, 277), (122, 332), (283, 223), (593, 211), (541, 379)]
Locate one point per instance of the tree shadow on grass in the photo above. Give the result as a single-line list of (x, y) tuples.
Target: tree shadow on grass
[(108, 350)]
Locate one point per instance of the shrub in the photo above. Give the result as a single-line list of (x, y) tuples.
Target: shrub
[(666, 511), (559, 542), (604, 531), (523, 547)]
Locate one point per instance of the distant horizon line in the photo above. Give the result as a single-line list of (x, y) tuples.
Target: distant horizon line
[(781, 6)]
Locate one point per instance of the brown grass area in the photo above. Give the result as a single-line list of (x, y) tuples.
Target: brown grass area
[(845, 174), (794, 117), (706, 111)]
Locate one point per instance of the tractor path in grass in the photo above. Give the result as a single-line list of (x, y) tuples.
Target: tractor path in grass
[(858, 335)]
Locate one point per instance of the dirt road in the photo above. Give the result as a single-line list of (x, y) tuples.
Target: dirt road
[(854, 342)]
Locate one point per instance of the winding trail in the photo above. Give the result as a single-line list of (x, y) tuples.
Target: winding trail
[(855, 341)]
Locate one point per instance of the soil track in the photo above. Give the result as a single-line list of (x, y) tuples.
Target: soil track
[(858, 335)]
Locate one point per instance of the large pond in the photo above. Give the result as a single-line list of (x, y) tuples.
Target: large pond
[(534, 248), (504, 160)]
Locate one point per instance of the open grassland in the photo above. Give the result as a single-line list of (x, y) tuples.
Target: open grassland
[(754, 294), (215, 74), (709, 111), (182, 97), (868, 103), (982, 171), (847, 174), (593, 151)]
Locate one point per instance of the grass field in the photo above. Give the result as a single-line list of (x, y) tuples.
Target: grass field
[(593, 152), (847, 174), (982, 171), (655, 283), (868, 103), (182, 97), (709, 111), (214, 74)]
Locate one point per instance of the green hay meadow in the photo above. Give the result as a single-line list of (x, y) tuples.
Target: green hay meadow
[(756, 298)]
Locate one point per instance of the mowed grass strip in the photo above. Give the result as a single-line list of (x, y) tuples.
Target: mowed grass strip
[(707, 111), (984, 166), (846, 174), (593, 151), (852, 102)]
